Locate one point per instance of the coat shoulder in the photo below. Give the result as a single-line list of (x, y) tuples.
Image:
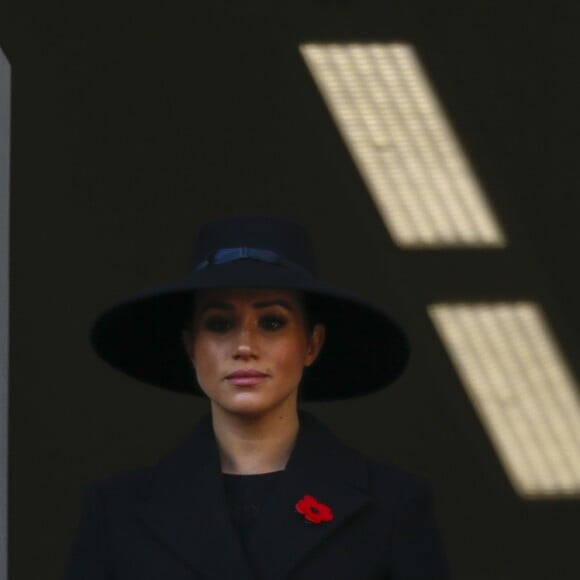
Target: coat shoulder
[(123, 486), (397, 491), (400, 496), (383, 475), (136, 482)]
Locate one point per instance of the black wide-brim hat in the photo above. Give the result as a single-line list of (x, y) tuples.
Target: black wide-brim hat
[(365, 349)]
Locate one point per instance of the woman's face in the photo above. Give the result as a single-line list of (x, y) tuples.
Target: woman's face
[(249, 347)]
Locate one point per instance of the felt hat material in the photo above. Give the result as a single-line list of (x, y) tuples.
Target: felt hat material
[(365, 349)]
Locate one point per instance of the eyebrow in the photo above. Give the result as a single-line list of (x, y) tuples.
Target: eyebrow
[(261, 304), (275, 302)]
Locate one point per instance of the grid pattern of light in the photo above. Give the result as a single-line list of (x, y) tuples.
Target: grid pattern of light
[(521, 388), (402, 145)]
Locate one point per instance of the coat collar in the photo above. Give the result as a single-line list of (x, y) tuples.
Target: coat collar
[(184, 503)]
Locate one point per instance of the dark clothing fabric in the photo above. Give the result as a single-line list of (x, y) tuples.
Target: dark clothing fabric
[(171, 520), (245, 496)]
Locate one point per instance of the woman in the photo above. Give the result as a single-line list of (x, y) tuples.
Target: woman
[(260, 489)]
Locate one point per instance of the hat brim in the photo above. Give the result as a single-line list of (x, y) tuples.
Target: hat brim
[(365, 349)]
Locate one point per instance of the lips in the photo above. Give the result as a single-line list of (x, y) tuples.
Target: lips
[(245, 378)]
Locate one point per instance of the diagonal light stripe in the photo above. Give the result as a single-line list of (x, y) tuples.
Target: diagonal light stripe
[(398, 136), (521, 388)]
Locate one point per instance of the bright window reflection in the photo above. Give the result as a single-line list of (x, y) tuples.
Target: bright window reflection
[(404, 148), (520, 386)]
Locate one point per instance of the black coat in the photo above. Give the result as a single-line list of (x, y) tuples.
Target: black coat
[(171, 521)]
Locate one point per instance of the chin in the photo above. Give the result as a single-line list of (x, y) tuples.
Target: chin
[(245, 407), (251, 407)]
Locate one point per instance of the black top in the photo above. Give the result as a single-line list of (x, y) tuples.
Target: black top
[(245, 495)]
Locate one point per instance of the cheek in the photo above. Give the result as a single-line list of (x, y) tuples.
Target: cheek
[(289, 356), (206, 356)]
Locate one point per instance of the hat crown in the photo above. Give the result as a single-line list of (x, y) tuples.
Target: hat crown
[(280, 235)]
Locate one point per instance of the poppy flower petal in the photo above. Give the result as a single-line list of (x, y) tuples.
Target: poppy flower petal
[(313, 511)]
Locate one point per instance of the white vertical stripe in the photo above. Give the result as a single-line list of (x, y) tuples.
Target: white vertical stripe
[(468, 356), (406, 216)]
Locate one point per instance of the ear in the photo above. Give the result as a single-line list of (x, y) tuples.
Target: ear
[(187, 340), (316, 340)]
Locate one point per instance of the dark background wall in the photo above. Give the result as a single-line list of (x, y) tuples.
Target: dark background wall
[(134, 124)]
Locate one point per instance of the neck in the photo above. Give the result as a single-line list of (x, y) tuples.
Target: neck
[(254, 445)]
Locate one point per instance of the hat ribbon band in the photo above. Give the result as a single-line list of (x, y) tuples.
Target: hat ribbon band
[(227, 255)]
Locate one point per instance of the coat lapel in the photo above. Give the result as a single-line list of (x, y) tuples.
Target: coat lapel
[(184, 504), (322, 466)]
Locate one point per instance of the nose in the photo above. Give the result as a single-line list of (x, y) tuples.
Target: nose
[(245, 347)]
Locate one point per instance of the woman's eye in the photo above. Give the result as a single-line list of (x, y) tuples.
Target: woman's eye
[(272, 322), (218, 324)]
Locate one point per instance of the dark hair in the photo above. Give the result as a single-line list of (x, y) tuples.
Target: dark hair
[(307, 301), (310, 312)]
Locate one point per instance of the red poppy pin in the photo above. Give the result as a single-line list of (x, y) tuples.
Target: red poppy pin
[(313, 511)]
